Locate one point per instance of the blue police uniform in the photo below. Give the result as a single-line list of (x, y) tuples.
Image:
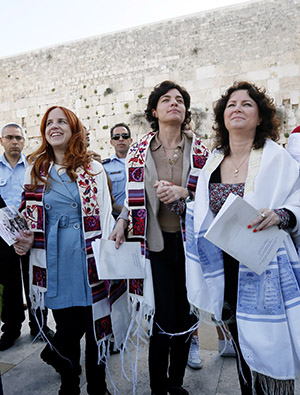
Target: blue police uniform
[(115, 168), (11, 180), (11, 184), (11, 187)]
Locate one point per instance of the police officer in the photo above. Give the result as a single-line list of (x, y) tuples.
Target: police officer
[(120, 139), (12, 169)]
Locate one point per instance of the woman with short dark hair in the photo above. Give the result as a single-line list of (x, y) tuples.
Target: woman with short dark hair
[(158, 185)]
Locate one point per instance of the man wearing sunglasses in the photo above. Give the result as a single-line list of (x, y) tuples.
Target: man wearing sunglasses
[(120, 139), (12, 170)]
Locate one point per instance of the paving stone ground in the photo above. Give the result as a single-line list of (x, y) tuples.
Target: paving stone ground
[(24, 373)]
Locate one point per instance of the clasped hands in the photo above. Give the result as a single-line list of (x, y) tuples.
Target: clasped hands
[(167, 192)]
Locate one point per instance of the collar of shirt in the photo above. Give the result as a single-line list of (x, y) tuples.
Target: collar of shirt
[(5, 162), (11, 180), (115, 157), (156, 143)]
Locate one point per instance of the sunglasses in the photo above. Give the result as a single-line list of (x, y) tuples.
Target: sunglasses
[(9, 137), (125, 136)]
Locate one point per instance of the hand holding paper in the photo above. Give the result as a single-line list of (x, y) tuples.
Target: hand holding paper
[(117, 264), (229, 232)]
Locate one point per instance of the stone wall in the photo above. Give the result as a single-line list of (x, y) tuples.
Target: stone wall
[(106, 79)]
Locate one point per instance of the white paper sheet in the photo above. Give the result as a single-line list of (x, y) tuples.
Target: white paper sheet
[(229, 231), (117, 264)]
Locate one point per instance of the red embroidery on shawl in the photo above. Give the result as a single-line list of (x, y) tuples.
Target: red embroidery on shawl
[(136, 197), (136, 174), (100, 291), (103, 327), (33, 213), (199, 161), (140, 150), (200, 153), (138, 219), (39, 277), (92, 271), (136, 287), (117, 288), (91, 223), (89, 198)]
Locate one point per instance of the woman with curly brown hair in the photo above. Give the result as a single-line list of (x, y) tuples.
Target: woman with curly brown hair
[(67, 205), (260, 310)]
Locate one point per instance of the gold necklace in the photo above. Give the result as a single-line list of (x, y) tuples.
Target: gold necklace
[(237, 168)]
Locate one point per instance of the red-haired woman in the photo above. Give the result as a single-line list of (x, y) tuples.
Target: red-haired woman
[(67, 205)]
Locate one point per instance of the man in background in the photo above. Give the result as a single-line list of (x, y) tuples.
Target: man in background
[(120, 139), (12, 170)]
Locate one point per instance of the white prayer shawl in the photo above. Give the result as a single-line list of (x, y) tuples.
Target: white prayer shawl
[(293, 146), (268, 307)]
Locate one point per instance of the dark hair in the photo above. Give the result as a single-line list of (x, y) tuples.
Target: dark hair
[(268, 127), (117, 125), (76, 154), (12, 125), (160, 90)]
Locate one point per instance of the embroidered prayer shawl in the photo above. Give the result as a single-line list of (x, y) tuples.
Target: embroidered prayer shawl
[(136, 204), (268, 307), (97, 222)]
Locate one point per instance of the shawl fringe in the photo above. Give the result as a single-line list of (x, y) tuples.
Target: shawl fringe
[(139, 329), (271, 386)]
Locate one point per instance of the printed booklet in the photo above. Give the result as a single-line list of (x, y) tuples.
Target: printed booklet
[(11, 223)]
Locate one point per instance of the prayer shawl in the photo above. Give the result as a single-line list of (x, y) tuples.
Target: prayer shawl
[(293, 145), (107, 297), (136, 205), (268, 306)]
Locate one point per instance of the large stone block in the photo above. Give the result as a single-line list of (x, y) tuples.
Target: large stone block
[(107, 79), (206, 72)]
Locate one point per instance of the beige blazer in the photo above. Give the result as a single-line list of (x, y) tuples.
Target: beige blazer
[(153, 233)]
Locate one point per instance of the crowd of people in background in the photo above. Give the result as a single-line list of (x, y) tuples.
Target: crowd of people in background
[(163, 191)]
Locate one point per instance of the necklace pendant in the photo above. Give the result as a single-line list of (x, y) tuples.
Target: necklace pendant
[(236, 172)]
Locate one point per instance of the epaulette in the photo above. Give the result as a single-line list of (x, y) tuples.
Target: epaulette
[(104, 161)]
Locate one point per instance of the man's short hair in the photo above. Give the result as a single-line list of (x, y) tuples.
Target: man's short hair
[(13, 125), (120, 125)]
